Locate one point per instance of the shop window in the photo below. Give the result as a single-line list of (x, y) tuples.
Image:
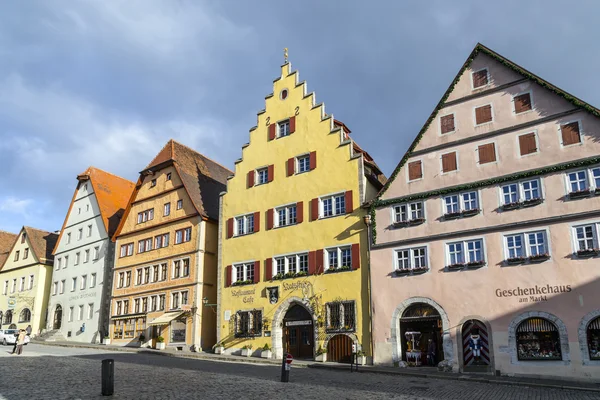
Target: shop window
[(248, 323), (118, 330), (341, 316), (178, 331), (593, 338), (538, 339)]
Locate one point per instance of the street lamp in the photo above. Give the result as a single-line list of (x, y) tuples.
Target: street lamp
[(206, 304)]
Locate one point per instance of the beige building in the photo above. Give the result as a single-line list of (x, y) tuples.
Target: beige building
[(25, 279), (486, 237), (166, 253)]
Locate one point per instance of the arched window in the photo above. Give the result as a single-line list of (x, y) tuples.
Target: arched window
[(8, 317), (538, 339), (25, 315), (593, 338)]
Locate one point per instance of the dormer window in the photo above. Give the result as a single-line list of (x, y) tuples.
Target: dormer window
[(480, 78)]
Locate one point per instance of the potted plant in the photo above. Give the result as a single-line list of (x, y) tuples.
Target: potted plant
[(579, 193), (452, 215), (321, 354), (142, 340), (515, 260), (511, 206), (160, 343), (402, 271), (532, 202), (454, 267), (416, 221), (106, 340), (247, 350), (587, 253), (361, 358), (266, 351), (420, 270), (475, 264), (539, 257), (219, 348), (470, 213)]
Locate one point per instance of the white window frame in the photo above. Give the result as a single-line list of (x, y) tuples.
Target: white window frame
[(334, 199), (489, 81), (54, 288), (77, 258), (514, 111), (90, 310), (440, 125), (245, 224), (281, 124), (520, 190), (89, 232), (83, 283), (246, 265), (86, 255), (181, 269), (411, 258), (465, 250), (461, 201), (73, 284), (22, 284), (61, 287), (297, 163), (409, 212), (595, 231), (30, 284), (524, 234), (258, 172), (71, 312), (288, 219), (475, 124), (339, 250), (80, 313), (68, 237), (581, 134), (96, 253), (589, 176), (58, 262), (93, 280), (167, 209), (80, 234), (286, 260)]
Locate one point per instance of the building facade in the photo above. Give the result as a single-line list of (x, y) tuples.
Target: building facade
[(293, 269), (84, 257), (486, 235), (25, 277), (166, 253)]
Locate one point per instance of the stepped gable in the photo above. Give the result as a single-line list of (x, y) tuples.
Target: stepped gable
[(479, 48), (42, 244), (7, 241), (202, 177)]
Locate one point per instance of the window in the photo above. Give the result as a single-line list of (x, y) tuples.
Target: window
[(449, 163), (17, 255), (54, 288), (30, 285), (153, 183), (338, 258), (145, 304), (487, 153), (409, 212), (161, 241), (80, 314), (138, 276), (262, 176), (66, 261), (291, 265), (90, 310), (340, 316), (333, 205), (5, 289), (244, 224), (179, 204), (71, 311), (248, 323), (415, 170), (92, 280), (522, 103), (168, 176), (528, 144), (243, 273), (83, 282), (167, 209), (125, 306), (593, 339), (174, 300), (68, 237), (570, 133), (163, 272), (411, 259), (283, 128), (178, 299), (14, 285), (25, 253), (286, 215), (121, 281), (155, 273), (480, 78), (183, 235), (86, 256), (181, 268), (586, 239), (146, 275), (154, 303), (23, 237), (87, 207), (73, 284), (136, 306), (62, 286), (77, 256), (583, 181), (161, 299), (79, 233), (461, 203), (144, 216), (523, 191), (96, 252), (303, 164), (526, 245), (447, 124), (22, 284), (127, 250), (127, 278), (145, 245), (483, 114), (465, 252), (58, 262), (538, 339), (25, 315), (89, 231)]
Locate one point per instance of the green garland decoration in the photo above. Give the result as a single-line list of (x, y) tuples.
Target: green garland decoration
[(479, 48)]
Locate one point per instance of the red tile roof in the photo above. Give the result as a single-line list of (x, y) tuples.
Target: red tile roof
[(42, 243), (7, 241)]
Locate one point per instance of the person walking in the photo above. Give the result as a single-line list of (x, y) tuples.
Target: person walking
[(20, 341), (431, 352), (28, 330), (16, 340)]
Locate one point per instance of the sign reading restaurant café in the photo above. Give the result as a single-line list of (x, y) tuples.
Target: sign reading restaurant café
[(246, 294), (534, 293)]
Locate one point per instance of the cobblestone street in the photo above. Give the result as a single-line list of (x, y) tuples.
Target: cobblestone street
[(45, 372)]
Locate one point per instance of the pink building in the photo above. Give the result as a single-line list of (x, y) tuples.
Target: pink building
[(486, 235)]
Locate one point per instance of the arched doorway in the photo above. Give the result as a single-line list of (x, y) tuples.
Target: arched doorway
[(593, 339), (298, 332), (57, 317), (8, 317), (339, 349), (421, 330), (476, 346), (538, 339)]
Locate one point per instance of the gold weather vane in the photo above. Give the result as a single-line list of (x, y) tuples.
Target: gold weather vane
[(285, 55)]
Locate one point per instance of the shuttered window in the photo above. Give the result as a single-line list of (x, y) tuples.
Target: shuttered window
[(480, 78), (522, 103), (449, 162), (447, 123), (570, 133), (415, 170), (483, 114), (487, 153), (527, 144)]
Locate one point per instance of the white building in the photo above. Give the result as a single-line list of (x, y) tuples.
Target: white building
[(83, 258)]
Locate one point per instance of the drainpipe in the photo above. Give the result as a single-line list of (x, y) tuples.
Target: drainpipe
[(367, 219)]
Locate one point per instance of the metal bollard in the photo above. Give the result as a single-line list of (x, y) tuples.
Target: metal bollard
[(108, 377), (285, 370)]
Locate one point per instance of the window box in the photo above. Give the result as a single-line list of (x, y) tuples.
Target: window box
[(453, 215), (454, 267), (587, 253), (289, 275), (516, 260), (401, 272), (470, 213), (266, 354), (579, 194), (332, 270), (240, 283), (410, 222), (475, 264), (411, 271), (532, 202), (420, 270), (539, 258), (344, 329), (511, 206)]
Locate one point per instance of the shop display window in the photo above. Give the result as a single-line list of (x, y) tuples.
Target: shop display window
[(538, 339), (178, 331), (593, 338), (118, 332)]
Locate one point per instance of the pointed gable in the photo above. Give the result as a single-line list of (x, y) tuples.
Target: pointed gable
[(7, 241), (42, 243)]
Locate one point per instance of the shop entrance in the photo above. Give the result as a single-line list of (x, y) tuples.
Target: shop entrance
[(339, 349), (419, 324), (57, 317), (476, 346), (299, 332)]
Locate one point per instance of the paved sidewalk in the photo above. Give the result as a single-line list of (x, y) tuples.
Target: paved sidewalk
[(418, 373)]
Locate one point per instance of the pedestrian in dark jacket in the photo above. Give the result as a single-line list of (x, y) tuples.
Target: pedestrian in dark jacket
[(431, 348)]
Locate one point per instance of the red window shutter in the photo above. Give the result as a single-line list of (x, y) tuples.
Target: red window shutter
[(256, 271), (229, 228), (527, 143), (355, 256), (522, 103), (348, 201), (251, 178), (447, 122), (313, 160), (449, 162), (299, 212), (292, 124), (319, 261), (487, 153), (272, 128), (480, 78), (414, 170), (290, 167), (228, 276), (483, 114), (257, 221), (570, 133), (269, 269), (270, 172), (314, 209), (312, 262), (269, 218)]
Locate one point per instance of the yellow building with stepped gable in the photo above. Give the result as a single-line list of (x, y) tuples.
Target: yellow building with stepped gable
[(293, 257)]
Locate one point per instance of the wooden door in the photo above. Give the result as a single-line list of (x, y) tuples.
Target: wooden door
[(306, 346), (339, 349), (293, 341)]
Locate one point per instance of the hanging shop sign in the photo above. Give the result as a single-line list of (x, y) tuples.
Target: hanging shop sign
[(533, 294), (298, 323), (12, 303)]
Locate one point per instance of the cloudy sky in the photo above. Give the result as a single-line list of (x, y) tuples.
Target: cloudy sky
[(107, 83)]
